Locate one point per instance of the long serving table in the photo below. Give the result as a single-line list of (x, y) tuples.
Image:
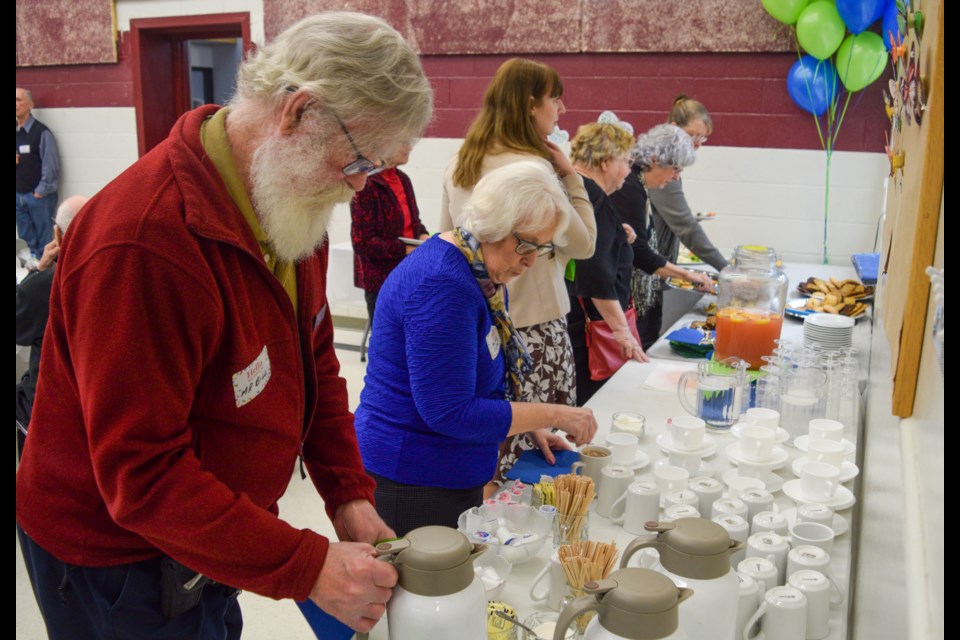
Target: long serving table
[(625, 391)]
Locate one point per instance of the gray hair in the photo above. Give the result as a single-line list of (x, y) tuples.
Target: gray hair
[(522, 197), (667, 144), (27, 94), (357, 65), (68, 210)]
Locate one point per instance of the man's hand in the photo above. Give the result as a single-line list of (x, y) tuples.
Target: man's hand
[(37, 195), (50, 252), (353, 585), (357, 521)]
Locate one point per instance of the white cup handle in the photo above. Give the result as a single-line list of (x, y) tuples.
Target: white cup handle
[(835, 598), (543, 595), (754, 619), (576, 467), (613, 509)]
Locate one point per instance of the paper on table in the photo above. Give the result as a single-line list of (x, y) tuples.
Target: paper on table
[(666, 375)]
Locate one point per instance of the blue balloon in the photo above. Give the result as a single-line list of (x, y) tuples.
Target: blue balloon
[(812, 84), (858, 15), (891, 25)]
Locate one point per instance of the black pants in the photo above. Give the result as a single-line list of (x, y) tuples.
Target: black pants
[(648, 326), (121, 602), (371, 298), (585, 386), (405, 507)]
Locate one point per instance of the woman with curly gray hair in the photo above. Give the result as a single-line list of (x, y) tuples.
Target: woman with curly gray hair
[(658, 158)]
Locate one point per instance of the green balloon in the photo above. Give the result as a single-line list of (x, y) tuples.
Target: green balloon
[(786, 11), (820, 29), (861, 59)]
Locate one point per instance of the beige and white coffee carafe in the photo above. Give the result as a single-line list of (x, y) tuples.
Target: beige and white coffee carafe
[(631, 604)]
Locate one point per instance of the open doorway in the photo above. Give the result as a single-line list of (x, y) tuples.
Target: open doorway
[(169, 53)]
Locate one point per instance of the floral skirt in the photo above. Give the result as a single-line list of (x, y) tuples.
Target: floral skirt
[(552, 380)]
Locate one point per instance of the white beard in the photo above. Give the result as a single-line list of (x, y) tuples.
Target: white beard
[(294, 209)]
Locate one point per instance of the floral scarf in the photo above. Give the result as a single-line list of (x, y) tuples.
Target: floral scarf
[(519, 362)]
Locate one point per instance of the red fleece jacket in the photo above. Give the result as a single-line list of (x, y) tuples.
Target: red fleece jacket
[(178, 387)]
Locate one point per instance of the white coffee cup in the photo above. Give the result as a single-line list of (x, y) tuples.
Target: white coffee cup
[(748, 601), (756, 443), (670, 478), (825, 429), (555, 587), (624, 447), (681, 496), (593, 458), (726, 506), (813, 534), (640, 504), (761, 570), (782, 615), (815, 513), (677, 511), (819, 481), (807, 557), (757, 500), (708, 490), (739, 530), (773, 547), (763, 417), (770, 521), (614, 480), (686, 433), (747, 469), (816, 587), (826, 451), (689, 460), (736, 485)]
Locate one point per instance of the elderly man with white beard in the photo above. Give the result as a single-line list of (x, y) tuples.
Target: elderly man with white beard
[(189, 368)]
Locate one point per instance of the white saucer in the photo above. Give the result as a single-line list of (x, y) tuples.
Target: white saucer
[(640, 461), (704, 470), (708, 448), (848, 470), (801, 443), (782, 434), (839, 525), (843, 499), (778, 459), (772, 482)]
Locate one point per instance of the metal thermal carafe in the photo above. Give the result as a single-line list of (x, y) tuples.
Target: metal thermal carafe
[(631, 604), (438, 595), (695, 554)]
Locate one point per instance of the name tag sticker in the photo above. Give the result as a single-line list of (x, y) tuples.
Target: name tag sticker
[(493, 342), (249, 382), (24, 148)]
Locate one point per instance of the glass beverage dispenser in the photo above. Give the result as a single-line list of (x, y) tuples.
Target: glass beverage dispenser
[(751, 296)]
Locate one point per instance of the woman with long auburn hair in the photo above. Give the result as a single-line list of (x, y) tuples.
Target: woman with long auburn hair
[(521, 107)]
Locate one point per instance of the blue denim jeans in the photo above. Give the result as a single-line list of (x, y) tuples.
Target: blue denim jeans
[(35, 220)]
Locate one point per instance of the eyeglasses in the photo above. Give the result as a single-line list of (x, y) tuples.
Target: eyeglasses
[(361, 164), (525, 247)]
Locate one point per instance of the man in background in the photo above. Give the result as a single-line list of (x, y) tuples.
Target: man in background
[(189, 368), (33, 308), (38, 171)]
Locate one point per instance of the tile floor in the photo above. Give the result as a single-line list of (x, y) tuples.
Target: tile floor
[(264, 619)]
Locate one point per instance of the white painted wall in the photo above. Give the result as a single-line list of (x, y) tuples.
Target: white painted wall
[(773, 197), (128, 10)]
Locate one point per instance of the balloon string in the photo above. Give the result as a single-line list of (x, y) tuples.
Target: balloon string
[(826, 208)]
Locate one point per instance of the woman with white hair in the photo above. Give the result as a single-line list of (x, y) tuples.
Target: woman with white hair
[(658, 158), (446, 363)]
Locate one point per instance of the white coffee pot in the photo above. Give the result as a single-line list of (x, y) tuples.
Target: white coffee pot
[(437, 596), (631, 604), (695, 554)]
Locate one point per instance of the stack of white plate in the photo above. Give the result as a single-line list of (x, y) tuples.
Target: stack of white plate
[(828, 331)]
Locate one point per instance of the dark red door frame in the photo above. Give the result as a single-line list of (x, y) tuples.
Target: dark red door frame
[(160, 70)]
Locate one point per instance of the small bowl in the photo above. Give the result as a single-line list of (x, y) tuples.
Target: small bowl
[(547, 622), (523, 529), (493, 571)]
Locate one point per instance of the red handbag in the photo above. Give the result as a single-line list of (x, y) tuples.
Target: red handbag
[(605, 357)]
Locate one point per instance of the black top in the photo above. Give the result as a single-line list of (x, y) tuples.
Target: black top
[(631, 202), (29, 165), (33, 309), (605, 276)]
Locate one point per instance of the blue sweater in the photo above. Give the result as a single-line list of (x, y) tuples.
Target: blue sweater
[(432, 410)]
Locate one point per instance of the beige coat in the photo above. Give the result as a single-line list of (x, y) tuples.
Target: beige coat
[(539, 295)]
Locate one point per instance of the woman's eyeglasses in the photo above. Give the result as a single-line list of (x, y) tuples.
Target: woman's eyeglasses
[(525, 247)]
